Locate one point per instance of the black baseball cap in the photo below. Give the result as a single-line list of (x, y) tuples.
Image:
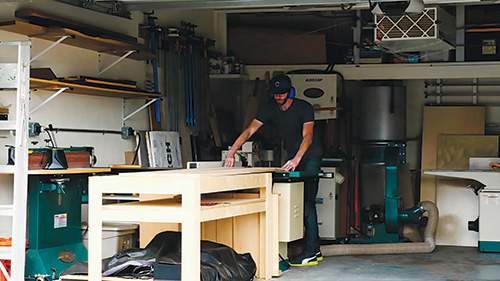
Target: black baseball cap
[(280, 84)]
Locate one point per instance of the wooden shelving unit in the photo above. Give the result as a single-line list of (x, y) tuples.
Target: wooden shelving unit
[(195, 187), (42, 84), (78, 39)]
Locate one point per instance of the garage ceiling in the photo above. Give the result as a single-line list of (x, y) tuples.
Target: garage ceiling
[(145, 5)]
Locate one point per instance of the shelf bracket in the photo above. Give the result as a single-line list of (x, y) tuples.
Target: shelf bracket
[(48, 100), (50, 47), (114, 63), (125, 118)]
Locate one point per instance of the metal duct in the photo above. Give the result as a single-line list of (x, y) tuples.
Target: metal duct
[(383, 113)]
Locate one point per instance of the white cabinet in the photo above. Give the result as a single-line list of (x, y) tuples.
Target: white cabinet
[(327, 205), (291, 210)]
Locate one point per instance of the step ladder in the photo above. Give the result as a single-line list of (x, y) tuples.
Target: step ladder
[(16, 76)]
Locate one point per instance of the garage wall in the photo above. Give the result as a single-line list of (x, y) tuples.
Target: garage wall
[(69, 110)]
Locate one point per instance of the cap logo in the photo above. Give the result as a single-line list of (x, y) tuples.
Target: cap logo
[(277, 84)]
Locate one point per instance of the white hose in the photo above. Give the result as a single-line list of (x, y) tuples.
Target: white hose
[(393, 248)]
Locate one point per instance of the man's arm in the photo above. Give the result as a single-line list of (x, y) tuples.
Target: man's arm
[(307, 138), (252, 128)]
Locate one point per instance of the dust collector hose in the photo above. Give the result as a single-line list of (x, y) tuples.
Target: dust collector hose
[(394, 248)]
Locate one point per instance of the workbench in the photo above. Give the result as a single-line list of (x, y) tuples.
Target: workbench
[(186, 209)]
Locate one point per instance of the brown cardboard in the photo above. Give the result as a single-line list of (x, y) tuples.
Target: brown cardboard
[(454, 151), (440, 120), (276, 46)]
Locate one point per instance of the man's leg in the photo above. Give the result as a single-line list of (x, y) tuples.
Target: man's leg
[(311, 236)]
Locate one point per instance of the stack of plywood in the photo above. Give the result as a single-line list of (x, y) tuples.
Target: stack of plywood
[(451, 135)]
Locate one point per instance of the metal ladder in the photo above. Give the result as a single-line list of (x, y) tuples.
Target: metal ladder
[(16, 76)]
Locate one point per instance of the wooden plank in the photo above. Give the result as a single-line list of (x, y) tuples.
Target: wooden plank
[(454, 151), (78, 39), (190, 243), (275, 246), (69, 171), (42, 84), (45, 19), (209, 231), (452, 120), (225, 232), (20, 27), (247, 239), (148, 230)]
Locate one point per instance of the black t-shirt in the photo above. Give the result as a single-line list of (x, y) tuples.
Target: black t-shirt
[(290, 123)]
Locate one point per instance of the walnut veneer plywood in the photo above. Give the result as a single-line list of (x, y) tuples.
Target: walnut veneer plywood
[(441, 120)]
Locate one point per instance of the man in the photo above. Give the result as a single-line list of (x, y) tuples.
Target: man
[(294, 120)]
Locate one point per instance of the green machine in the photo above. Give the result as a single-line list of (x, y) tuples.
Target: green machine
[(54, 221), (382, 135), (382, 224)]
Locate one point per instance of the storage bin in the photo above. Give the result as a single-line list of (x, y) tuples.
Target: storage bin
[(116, 237)]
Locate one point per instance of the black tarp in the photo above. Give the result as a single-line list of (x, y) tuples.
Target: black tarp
[(218, 262)]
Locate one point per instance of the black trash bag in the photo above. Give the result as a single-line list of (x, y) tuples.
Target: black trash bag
[(218, 262)]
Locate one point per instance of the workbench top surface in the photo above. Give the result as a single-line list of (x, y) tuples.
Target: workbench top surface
[(205, 172), (69, 171)]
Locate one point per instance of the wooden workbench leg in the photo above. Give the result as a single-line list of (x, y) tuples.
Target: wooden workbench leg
[(268, 233), (191, 245), (95, 230)]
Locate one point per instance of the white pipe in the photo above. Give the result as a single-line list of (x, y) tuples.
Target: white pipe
[(394, 248)]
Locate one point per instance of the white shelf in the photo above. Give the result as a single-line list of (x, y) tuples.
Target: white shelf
[(229, 76), (5, 253), (443, 70), (7, 125), (7, 169), (6, 210), (402, 71)]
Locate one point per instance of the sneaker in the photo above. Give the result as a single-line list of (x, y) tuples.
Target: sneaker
[(303, 260), (319, 256)]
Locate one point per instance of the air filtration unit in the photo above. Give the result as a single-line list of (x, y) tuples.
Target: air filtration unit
[(432, 30)]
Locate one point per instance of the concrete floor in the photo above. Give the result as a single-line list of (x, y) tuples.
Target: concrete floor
[(445, 263)]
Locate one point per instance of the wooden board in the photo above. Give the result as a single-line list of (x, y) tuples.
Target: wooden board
[(454, 151), (445, 120), (78, 39), (45, 19), (42, 84)]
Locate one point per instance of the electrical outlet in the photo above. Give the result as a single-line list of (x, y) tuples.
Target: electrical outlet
[(127, 132)]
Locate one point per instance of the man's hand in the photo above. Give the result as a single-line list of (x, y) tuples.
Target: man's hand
[(229, 161), (291, 164)]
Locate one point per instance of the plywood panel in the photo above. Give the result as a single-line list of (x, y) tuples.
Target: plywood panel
[(148, 230), (441, 120), (225, 232), (454, 151), (247, 238)]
